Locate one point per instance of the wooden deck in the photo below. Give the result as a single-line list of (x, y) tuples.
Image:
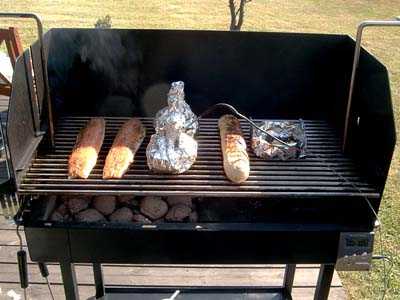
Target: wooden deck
[(251, 275)]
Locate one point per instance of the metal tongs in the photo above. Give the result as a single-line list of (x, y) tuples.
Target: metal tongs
[(240, 115)]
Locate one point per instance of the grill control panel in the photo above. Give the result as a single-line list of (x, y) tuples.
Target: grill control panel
[(355, 251)]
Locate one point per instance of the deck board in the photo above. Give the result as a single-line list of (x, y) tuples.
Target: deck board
[(251, 275), (40, 292)]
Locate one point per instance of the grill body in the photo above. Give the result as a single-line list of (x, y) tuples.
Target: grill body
[(305, 204)]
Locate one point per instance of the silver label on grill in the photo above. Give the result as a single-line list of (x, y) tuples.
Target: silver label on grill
[(355, 251)]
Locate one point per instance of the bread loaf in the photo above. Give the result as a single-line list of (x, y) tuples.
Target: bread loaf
[(127, 141), (87, 147), (235, 157)]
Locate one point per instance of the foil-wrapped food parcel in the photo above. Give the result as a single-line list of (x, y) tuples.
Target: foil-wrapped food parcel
[(290, 132), (173, 149)]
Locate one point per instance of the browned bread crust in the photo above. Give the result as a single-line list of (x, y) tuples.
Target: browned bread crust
[(122, 153), (87, 147), (236, 159)]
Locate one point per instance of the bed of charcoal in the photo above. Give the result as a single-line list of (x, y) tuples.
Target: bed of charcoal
[(121, 209)]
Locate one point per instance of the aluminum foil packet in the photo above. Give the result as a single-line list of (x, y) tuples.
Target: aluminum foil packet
[(177, 111), (290, 132), (175, 157), (172, 149)]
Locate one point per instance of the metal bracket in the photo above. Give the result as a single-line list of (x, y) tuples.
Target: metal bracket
[(43, 63), (360, 29), (18, 216), (32, 94)]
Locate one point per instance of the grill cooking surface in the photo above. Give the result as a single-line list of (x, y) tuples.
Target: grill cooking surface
[(310, 177)]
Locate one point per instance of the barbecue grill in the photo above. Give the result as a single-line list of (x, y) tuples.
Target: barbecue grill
[(312, 210)]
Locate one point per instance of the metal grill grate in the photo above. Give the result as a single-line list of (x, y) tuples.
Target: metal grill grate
[(308, 177)]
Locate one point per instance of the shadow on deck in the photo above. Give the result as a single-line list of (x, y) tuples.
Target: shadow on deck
[(115, 275)]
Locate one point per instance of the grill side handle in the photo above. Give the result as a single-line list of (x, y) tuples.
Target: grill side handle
[(43, 64), (360, 29)]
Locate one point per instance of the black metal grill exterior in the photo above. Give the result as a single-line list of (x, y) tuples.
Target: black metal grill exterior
[(306, 204)]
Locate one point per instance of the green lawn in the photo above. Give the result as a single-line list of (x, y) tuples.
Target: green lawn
[(339, 16)]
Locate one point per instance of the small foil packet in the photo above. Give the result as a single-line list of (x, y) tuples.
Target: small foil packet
[(172, 149), (171, 156), (290, 132), (177, 111)]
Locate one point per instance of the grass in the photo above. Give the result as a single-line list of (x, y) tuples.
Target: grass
[(338, 16)]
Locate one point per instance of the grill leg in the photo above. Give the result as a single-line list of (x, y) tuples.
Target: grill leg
[(69, 281), (324, 282), (98, 280), (289, 278)]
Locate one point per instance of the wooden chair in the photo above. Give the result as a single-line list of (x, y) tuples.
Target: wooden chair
[(14, 48)]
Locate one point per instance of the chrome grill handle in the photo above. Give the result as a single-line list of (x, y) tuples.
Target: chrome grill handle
[(357, 50)]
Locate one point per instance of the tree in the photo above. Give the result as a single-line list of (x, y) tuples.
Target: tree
[(237, 13), (104, 22)]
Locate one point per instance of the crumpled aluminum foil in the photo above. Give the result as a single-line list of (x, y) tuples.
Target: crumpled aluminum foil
[(177, 111), (290, 132), (172, 149), (171, 156)]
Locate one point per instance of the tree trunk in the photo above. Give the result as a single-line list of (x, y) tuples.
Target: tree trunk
[(237, 15)]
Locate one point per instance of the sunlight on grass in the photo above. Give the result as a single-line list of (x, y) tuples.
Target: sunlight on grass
[(337, 16)]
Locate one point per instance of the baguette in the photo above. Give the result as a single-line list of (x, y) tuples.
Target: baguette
[(87, 147), (235, 157), (122, 153)]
